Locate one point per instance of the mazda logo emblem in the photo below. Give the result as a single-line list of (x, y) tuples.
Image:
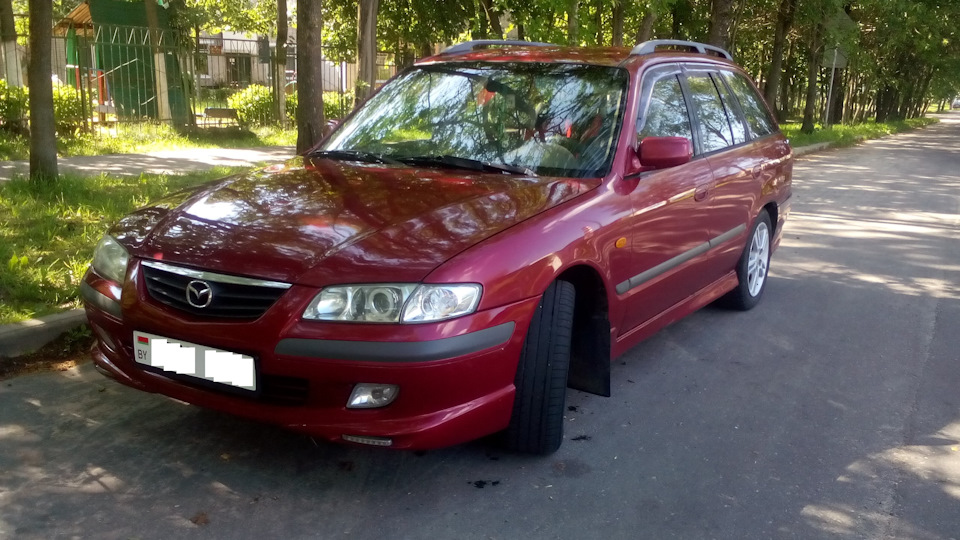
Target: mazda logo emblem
[(199, 294)]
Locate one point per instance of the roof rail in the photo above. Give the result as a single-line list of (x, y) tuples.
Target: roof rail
[(468, 46), (648, 47)]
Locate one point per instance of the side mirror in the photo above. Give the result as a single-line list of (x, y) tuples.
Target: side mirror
[(663, 152)]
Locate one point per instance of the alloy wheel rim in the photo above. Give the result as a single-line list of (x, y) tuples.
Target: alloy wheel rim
[(759, 259)]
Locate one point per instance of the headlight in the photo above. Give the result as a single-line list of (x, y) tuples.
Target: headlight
[(438, 302), (110, 259), (393, 302)]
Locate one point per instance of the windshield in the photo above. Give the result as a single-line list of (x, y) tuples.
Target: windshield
[(549, 119)]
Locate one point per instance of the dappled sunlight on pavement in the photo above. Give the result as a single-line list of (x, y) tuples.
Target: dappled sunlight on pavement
[(162, 162), (878, 228)]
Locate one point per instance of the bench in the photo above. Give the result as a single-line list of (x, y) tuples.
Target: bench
[(220, 114)]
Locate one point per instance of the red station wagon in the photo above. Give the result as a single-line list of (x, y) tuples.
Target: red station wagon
[(493, 226)]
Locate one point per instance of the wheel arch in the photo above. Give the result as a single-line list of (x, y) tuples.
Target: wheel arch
[(772, 211), (590, 346)]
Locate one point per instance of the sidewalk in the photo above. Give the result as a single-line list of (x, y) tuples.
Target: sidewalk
[(164, 162)]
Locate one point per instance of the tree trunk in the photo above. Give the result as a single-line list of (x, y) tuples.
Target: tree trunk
[(280, 65), (43, 134), (775, 71), (813, 69), (735, 26), (8, 45), (493, 17), (367, 49), (646, 25), (721, 22), (681, 11), (573, 22), (837, 97), (618, 14), (521, 32), (784, 110), (310, 120), (598, 23)]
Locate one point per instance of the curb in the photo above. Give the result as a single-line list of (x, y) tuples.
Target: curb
[(811, 148), (26, 337)]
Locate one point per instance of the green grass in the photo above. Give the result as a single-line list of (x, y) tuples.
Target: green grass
[(847, 135), (48, 232), (13, 147), (141, 138)]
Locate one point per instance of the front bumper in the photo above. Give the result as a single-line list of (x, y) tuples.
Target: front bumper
[(455, 377)]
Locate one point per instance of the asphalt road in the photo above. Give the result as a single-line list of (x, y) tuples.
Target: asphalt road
[(832, 410)]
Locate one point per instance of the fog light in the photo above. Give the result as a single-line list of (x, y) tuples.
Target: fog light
[(372, 396), (374, 441)]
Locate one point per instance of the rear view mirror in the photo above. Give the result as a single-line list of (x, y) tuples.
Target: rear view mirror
[(663, 152)]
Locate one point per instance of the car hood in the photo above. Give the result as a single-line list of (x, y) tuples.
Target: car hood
[(317, 222)]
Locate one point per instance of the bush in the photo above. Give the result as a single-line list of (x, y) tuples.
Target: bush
[(13, 106), (68, 109), (291, 108), (254, 105), (337, 105), (215, 95)]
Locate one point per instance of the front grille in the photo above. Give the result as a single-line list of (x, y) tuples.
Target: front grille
[(232, 296)]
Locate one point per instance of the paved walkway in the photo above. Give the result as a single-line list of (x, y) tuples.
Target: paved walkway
[(164, 162)]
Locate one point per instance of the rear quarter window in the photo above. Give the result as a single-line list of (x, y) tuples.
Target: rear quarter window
[(754, 112), (715, 133)]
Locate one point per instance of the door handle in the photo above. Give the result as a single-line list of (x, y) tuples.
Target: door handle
[(700, 193)]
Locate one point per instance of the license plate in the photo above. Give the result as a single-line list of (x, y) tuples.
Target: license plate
[(195, 360)]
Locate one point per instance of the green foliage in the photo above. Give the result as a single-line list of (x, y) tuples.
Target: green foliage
[(337, 105), (847, 135), (218, 15), (290, 108), (68, 109), (13, 105), (254, 105), (48, 232)]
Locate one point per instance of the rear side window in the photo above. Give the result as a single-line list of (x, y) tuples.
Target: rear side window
[(715, 133), (755, 113), (666, 114), (733, 115)]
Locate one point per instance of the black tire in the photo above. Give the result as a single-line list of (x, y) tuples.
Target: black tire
[(536, 426), (748, 293)]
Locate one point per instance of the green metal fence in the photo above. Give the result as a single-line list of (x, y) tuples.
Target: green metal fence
[(118, 78)]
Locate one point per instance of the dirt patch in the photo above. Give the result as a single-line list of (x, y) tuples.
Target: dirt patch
[(69, 350)]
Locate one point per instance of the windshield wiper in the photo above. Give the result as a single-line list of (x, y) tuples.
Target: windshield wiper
[(354, 155), (465, 163)]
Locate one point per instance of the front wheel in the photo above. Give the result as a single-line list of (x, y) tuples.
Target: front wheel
[(536, 426), (753, 266)]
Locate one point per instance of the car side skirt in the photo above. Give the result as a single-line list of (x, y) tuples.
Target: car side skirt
[(680, 310)]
